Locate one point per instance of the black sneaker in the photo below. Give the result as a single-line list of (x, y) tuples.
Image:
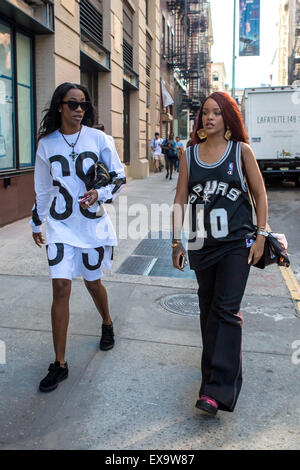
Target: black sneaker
[(167, 175), (107, 339), (56, 374)]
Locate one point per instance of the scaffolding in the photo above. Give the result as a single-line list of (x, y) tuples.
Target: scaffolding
[(189, 55)]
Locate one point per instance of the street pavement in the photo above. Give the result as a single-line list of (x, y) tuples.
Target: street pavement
[(142, 393)]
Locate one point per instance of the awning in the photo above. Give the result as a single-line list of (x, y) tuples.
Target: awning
[(94, 57), (130, 78), (166, 117), (167, 99), (14, 13)]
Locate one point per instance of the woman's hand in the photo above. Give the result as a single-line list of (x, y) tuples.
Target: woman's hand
[(89, 199), (38, 239), (257, 249), (177, 252)]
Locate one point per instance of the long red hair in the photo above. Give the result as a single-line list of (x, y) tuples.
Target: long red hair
[(231, 116)]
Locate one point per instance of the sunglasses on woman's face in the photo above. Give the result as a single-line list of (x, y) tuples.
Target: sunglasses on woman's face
[(85, 105)]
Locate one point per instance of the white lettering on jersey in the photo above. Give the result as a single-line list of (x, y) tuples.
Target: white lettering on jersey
[(193, 198), (210, 187), (234, 194), (222, 188), (214, 187), (198, 189)]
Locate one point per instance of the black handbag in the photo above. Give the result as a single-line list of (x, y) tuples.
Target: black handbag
[(98, 177), (274, 251)]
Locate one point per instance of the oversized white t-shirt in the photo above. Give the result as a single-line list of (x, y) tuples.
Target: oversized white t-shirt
[(156, 144), (59, 182)]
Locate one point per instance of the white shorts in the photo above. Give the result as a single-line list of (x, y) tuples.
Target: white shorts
[(157, 156), (66, 261)]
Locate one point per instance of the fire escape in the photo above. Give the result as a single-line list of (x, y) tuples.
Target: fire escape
[(190, 55)]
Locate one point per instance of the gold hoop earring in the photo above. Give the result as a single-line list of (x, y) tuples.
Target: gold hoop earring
[(228, 134), (201, 134)]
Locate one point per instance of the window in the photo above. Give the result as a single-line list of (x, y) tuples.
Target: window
[(163, 35), (24, 99), (147, 11), (172, 42), (127, 36), (91, 21), (6, 100), (148, 70), (16, 100)]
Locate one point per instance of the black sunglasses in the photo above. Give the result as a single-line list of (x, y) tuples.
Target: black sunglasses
[(85, 105)]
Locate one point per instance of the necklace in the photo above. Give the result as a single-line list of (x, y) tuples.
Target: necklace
[(73, 154)]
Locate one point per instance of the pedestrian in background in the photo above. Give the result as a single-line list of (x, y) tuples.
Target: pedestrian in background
[(79, 233), (223, 240), (156, 145), (179, 148), (101, 127), (169, 146), (164, 150)]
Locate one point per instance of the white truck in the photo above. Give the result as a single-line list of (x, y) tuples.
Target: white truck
[(272, 118)]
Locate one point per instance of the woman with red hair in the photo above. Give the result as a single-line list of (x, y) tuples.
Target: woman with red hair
[(223, 240)]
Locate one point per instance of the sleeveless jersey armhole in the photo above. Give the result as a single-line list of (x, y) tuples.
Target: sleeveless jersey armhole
[(239, 165)]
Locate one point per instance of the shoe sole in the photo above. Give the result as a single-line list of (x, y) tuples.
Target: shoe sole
[(202, 405), (50, 389), (106, 348)]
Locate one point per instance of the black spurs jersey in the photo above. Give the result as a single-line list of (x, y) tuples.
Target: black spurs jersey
[(220, 210)]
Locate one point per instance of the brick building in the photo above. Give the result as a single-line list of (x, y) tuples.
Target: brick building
[(112, 47), (123, 51)]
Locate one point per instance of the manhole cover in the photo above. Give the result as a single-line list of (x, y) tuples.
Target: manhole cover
[(181, 304)]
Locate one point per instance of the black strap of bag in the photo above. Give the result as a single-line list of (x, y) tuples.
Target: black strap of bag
[(251, 197), (274, 252)]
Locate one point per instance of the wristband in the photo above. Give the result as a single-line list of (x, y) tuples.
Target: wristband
[(176, 243), (263, 233)]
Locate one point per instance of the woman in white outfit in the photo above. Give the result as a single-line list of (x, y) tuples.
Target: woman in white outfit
[(79, 233)]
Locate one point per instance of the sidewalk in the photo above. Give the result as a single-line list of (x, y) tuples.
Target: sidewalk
[(142, 393)]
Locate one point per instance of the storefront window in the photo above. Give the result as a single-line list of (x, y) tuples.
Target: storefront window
[(25, 121), (6, 100), (16, 99), (183, 125)]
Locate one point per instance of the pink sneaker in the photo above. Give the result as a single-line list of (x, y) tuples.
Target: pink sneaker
[(208, 404)]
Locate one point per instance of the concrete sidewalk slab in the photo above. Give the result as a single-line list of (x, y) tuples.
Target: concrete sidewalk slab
[(142, 396), (142, 393)]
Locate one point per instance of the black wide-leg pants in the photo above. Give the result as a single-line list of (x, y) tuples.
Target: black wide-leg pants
[(221, 289)]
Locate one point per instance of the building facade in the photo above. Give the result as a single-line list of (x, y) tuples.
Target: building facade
[(126, 52), (289, 42), (167, 82), (294, 58), (218, 77), (112, 47), (283, 35), (190, 56)]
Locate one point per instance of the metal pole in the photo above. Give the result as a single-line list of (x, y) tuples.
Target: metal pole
[(233, 53)]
